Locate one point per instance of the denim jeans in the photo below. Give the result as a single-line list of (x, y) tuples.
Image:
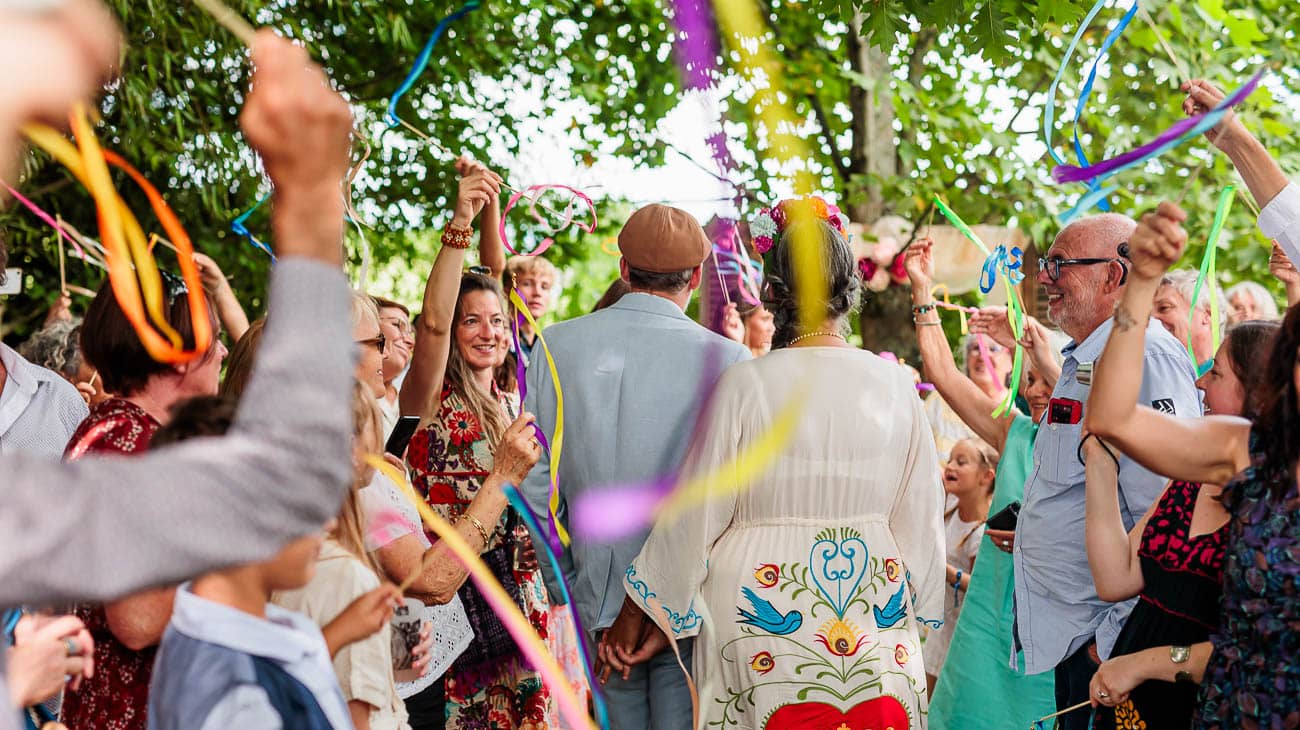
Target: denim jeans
[(655, 697)]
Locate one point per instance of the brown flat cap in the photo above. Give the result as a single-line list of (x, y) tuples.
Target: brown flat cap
[(663, 239)]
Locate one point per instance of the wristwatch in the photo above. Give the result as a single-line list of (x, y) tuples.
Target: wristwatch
[(1179, 655)]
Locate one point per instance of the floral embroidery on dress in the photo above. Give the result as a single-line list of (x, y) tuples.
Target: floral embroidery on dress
[(861, 609)]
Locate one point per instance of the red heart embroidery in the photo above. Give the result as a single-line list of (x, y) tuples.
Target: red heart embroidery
[(882, 713)]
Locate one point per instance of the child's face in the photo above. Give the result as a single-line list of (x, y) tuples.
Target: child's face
[(536, 290), (965, 472), (294, 566)]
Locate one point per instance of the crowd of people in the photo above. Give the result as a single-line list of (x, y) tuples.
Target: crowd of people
[(208, 543)]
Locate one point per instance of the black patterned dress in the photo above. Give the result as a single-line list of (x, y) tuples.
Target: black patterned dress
[(1253, 678), (1182, 579)]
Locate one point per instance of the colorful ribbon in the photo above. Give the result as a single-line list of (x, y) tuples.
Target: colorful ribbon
[(535, 191), (240, 229), (947, 304), (422, 61), (1094, 187), (617, 511), (47, 218), (1177, 134), (558, 437), (1208, 273), (1004, 262), (696, 46), (526, 638), (1015, 308), (133, 272), (530, 520)]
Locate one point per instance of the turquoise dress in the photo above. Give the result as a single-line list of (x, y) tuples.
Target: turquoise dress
[(978, 689)]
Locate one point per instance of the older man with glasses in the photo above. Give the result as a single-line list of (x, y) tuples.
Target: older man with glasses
[(1061, 623)]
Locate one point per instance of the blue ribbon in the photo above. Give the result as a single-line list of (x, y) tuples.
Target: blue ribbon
[(1084, 94), (1008, 262), (422, 61), (237, 225)]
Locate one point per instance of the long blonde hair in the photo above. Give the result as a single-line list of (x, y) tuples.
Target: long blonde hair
[(491, 416), (367, 429)]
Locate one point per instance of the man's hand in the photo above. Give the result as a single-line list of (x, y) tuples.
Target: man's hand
[(301, 128), (1158, 242), (626, 634)]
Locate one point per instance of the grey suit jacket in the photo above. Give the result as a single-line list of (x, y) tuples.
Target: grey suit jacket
[(631, 376), (104, 527)]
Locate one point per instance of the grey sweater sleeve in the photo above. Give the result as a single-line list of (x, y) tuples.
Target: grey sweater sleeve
[(106, 527)]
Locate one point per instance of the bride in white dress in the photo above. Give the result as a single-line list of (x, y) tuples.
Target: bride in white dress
[(806, 589)]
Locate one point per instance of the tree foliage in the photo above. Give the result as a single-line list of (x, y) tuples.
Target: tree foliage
[(965, 82)]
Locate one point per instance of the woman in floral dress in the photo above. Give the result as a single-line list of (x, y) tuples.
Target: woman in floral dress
[(464, 415)]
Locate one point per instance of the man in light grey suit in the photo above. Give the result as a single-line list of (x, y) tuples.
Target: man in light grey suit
[(631, 377)]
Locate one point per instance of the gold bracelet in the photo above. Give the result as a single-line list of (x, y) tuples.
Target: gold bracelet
[(457, 237), (482, 531)]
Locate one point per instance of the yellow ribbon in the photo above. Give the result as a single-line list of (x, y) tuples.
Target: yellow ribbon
[(557, 439), (965, 330)]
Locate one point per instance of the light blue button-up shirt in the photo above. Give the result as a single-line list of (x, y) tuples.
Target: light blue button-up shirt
[(1057, 608)]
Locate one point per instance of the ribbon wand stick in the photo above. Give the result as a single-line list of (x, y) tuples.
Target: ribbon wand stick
[(231, 20)]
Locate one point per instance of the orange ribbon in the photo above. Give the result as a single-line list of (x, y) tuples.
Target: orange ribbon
[(132, 270)]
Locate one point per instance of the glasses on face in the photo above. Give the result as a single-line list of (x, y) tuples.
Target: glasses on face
[(379, 343), (1053, 265)]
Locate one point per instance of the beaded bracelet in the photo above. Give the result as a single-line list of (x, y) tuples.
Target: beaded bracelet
[(923, 308), (457, 237)]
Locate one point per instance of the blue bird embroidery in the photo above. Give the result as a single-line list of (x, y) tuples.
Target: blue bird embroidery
[(766, 617), (892, 613)]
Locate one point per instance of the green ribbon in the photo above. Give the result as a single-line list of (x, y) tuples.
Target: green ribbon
[(1015, 309), (1209, 273)]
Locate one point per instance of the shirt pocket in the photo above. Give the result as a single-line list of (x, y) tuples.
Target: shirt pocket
[(1059, 457)]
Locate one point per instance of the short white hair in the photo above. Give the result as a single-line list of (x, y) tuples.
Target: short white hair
[(1184, 282), (1264, 301)]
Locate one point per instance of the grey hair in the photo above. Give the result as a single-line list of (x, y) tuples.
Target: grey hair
[(1184, 282), (780, 295), (1264, 301), (57, 347)]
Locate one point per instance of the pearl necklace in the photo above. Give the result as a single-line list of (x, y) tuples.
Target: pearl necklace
[(816, 334)]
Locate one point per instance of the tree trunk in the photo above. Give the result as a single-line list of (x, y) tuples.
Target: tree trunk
[(885, 321)]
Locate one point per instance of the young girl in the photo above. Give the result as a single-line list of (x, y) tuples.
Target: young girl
[(968, 479), (345, 571)]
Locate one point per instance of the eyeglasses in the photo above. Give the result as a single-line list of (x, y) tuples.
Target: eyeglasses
[(379, 343), (1053, 265)]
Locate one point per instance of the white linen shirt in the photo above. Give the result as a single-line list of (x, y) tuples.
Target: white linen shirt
[(1280, 221), (39, 411)]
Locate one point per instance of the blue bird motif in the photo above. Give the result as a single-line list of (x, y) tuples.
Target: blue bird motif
[(766, 617), (892, 613)]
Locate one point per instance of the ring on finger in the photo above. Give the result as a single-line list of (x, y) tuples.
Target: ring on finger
[(71, 646), (1103, 694)]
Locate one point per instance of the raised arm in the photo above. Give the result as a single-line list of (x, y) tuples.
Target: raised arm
[(100, 528), (1284, 271), (967, 400), (423, 384), (1112, 552), (491, 249), (992, 321), (1210, 449), (1261, 172), (218, 288)]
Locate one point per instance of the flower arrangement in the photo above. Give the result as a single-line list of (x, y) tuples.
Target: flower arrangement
[(771, 221)]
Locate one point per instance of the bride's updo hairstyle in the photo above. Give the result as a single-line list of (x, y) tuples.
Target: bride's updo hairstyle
[(780, 294)]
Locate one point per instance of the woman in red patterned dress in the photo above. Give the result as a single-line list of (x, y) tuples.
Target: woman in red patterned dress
[(127, 631), (464, 415)]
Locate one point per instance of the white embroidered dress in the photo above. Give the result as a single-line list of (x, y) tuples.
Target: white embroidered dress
[(806, 587)]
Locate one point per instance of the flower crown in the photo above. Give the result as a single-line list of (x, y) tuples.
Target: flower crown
[(769, 223)]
